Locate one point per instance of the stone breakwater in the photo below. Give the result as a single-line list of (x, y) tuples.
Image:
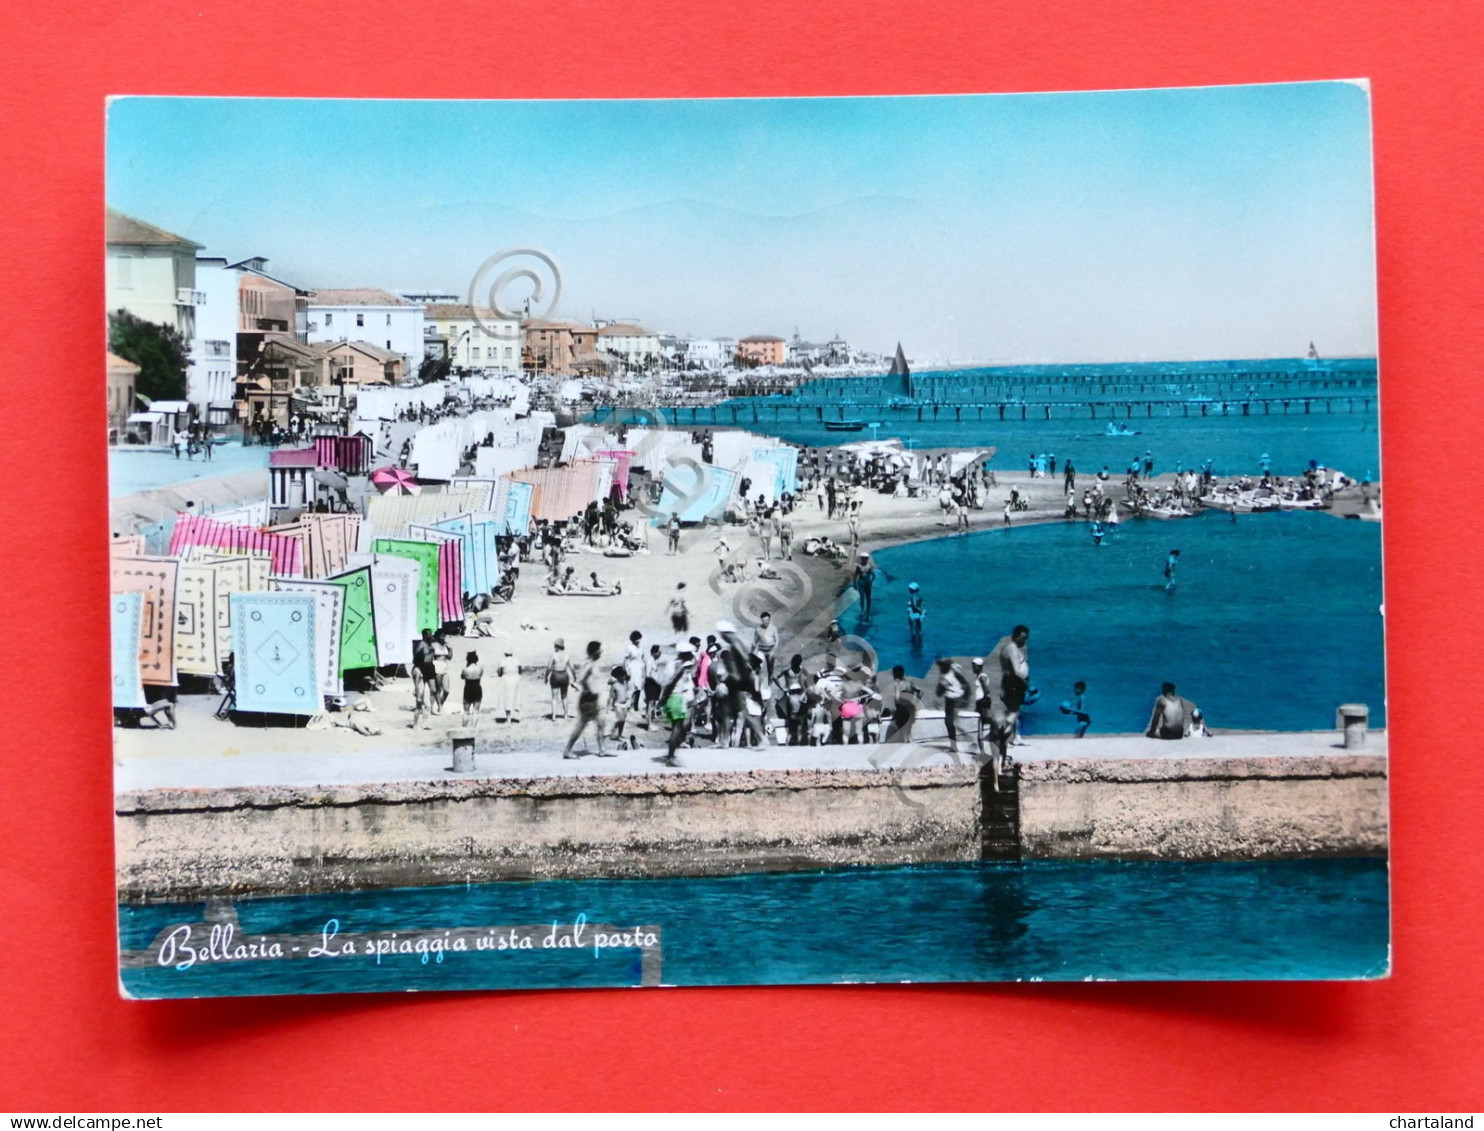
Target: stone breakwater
[(181, 844)]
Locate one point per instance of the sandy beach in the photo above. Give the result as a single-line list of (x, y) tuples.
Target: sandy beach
[(801, 601)]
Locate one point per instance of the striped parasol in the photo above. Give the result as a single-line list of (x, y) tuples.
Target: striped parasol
[(395, 481)]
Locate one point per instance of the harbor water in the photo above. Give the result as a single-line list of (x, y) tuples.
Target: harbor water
[(1045, 920)]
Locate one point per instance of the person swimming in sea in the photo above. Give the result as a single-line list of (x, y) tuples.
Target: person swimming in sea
[(1097, 532), (1170, 563)]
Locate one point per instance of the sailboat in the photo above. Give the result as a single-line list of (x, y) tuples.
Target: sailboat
[(899, 368), (899, 364)]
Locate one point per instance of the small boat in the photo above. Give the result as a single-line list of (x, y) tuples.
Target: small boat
[(844, 425), (1115, 429)]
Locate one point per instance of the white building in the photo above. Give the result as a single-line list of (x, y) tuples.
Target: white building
[(367, 314), (633, 344), (151, 274), (489, 342), (710, 353), (212, 376)]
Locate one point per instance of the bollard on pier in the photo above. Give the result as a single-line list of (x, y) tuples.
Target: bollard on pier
[(463, 750), (1353, 720)]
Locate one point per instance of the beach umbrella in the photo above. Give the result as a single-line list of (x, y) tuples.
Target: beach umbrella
[(395, 481)]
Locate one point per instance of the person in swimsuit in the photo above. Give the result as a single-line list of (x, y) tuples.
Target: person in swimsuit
[(442, 655), (1172, 716), (473, 677), (424, 676), (865, 581), (1077, 708), (915, 612), (953, 689), (676, 610), (589, 711), (558, 676), (678, 698), (1009, 671), (618, 703), (1170, 563)]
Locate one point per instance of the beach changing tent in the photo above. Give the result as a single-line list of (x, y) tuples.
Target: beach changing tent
[(696, 493), (359, 626), (273, 641), (328, 616), (124, 611)]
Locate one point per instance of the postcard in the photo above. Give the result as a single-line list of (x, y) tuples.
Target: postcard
[(832, 540)]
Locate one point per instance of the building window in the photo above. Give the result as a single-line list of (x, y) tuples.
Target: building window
[(389, 345), (360, 319), (507, 353), (329, 319), (388, 319), (474, 353)]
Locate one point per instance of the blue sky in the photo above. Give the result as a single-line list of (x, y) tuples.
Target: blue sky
[(1213, 222)]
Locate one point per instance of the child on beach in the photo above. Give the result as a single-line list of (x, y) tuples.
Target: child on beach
[(1077, 708), (819, 724), (619, 694)]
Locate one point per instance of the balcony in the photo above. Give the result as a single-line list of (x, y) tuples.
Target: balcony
[(184, 296)]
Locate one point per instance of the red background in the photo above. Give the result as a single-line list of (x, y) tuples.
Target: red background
[(1410, 1043)]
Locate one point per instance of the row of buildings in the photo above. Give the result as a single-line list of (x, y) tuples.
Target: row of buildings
[(261, 348)]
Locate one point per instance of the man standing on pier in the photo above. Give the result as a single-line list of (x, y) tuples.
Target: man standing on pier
[(1008, 672)]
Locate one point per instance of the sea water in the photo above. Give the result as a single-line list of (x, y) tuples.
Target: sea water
[(1274, 620), (1051, 920), (1178, 435)]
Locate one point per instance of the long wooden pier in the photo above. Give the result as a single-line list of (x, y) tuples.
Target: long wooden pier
[(742, 413)]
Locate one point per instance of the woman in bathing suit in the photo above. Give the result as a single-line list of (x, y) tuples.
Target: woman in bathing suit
[(473, 677)]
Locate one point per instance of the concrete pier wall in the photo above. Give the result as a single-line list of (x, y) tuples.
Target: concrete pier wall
[(1204, 809), (181, 844)]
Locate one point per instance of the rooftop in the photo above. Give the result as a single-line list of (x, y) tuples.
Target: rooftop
[(123, 229), (364, 347), (461, 310), (627, 329), (293, 457), (555, 324), (281, 340), (355, 296)]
